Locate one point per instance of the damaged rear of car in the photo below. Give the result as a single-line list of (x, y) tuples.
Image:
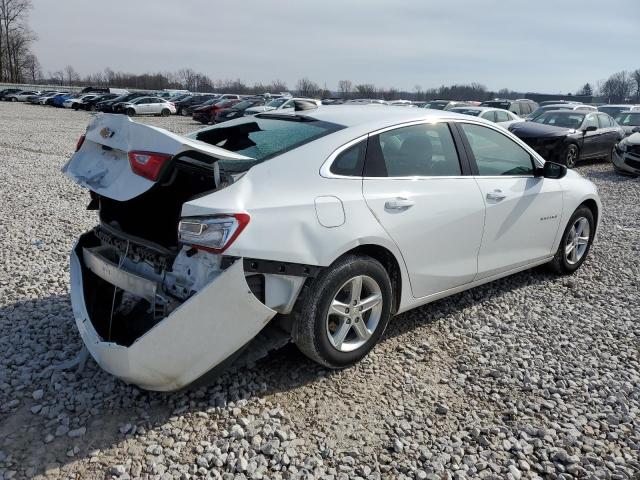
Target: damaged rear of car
[(159, 296)]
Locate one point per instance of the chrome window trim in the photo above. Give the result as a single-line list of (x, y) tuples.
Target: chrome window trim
[(325, 169)]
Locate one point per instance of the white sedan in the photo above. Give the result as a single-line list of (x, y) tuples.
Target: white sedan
[(502, 117), (320, 224), (148, 106)]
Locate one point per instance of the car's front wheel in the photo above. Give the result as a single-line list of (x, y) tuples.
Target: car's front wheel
[(571, 155), (131, 112), (576, 242), (165, 112), (344, 312)]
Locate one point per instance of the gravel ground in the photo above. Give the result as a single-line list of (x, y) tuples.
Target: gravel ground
[(533, 376)]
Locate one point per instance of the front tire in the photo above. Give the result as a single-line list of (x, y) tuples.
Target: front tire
[(344, 312), (575, 243), (131, 112), (572, 155), (165, 112)]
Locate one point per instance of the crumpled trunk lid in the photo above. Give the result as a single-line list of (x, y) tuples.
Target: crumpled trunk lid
[(102, 162)]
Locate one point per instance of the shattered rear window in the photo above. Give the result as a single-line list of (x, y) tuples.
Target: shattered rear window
[(263, 138)]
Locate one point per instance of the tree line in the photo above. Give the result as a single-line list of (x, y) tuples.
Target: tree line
[(18, 64)]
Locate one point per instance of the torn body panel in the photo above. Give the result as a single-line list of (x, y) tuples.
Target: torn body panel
[(196, 336)]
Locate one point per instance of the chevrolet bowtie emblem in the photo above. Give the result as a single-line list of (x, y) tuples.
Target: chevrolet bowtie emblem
[(106, 133)]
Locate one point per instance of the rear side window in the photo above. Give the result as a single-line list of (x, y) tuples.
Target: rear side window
[(502, 116), (263, 138), (515, 108), (605, 121), (417, 150), (350, 162), (490, 115), (495, 153)]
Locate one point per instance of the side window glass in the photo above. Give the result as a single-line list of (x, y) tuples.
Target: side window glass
[(605, 121), (590, 120), (490, 115), (515, 108), (351, 161), (288, 104), (495, 153), (502, 116), (417, 150)]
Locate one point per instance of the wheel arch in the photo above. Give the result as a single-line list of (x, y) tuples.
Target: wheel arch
[(592, 205)]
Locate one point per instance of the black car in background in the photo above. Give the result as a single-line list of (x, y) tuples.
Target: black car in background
[(191, 100), (107, 105), (566, 136), (238, 109), (90, 104)]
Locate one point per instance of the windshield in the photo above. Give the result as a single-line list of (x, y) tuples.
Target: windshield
[(569, 119), (466, 111), (628, 119), (276, 103), (612, 111), (243, 105), (263, 138), (436, 105)]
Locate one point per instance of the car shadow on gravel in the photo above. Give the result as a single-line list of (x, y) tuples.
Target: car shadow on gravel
[(95, 400)]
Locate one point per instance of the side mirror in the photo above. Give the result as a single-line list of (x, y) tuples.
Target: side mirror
[(636, 129), (590, 128), (551, 170)]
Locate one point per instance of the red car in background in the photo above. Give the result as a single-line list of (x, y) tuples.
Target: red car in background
[(207, 113)]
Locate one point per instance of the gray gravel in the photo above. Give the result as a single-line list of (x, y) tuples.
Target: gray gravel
[(533, 376)]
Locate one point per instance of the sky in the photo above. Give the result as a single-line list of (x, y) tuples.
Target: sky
[(551, 46)]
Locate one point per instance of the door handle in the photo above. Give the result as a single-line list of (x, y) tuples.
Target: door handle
[(399, 204), (496, 195)]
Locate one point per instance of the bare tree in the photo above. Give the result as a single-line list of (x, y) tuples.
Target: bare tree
[(586, 90), (636, 78), (618, 87), (345, 88), (33, 71), (308, 88), (16, 38), (366, 90), (71, 75)]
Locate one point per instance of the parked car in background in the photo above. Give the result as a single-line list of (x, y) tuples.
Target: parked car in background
[(556, 102), (49, 99), (613, 110), (20, 96), (521, 107), (8, 91), (567, 136), (107, 105), (146, 106), (237, 110), (214, 235), (207, 114), (504, 118), (366, 101), (444, 104), (58, 100), (561, 106), (629, 121), (90, 104), (626, 157), (183, 104), (282, 103), (189, 110), (77, 102)]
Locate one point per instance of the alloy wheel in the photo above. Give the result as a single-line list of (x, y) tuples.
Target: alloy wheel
[(577, 241), (354, 313), (572, 156)]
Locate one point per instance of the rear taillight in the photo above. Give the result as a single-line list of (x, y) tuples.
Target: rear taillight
[(148, 164), (213, 234), (80, 142)]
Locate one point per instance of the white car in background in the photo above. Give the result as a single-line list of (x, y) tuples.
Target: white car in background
[(280, 104), (317, 223), (148, 106), (504, 118)]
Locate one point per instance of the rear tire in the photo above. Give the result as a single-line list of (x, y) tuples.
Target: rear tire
[(575, 243), (131, 112), (609, 157), (344, 312), (572, 155)]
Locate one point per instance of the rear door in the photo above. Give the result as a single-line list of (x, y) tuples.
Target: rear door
[(591, 141), (609, 136), (522, 211), (416, 186)]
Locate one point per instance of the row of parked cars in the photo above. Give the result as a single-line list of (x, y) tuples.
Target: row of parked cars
[(561, 131)]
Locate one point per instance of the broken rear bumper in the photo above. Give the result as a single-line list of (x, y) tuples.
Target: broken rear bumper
[(194, 338)]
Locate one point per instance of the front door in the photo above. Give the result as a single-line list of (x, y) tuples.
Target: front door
[(415, 187), (522, 211)]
